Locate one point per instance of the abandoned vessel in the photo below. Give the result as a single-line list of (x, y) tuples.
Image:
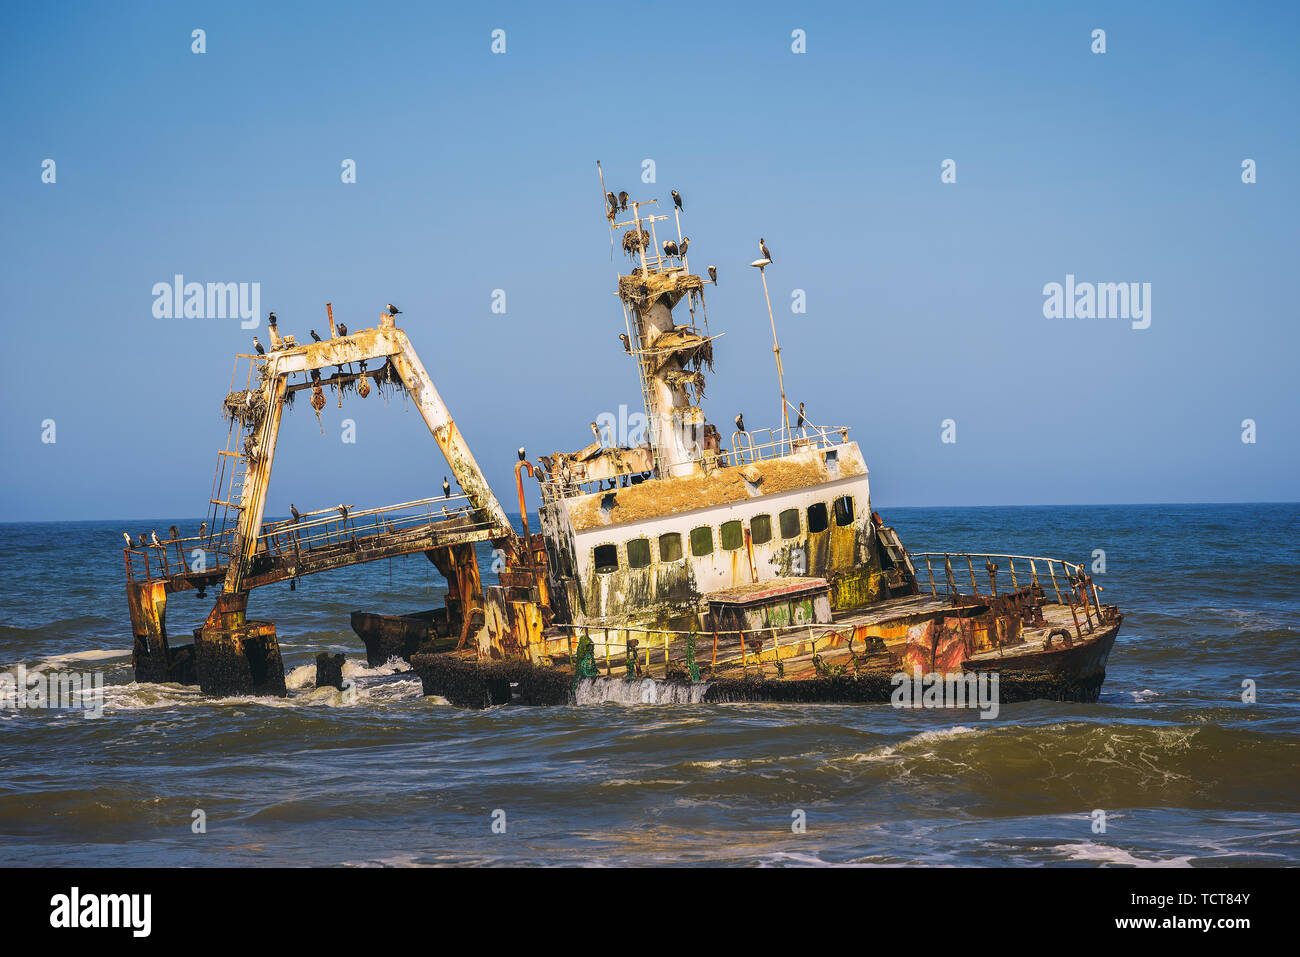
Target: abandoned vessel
[(747, 569)]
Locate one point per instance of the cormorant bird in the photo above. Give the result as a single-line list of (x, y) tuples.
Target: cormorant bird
[(258, 346), (613, 202), (446, 488), (595, 430), (270, 320), (128, 539), (670, 248), (763, 248), (627, 343), (174, 532), (153, 537), (294, 512), (393, 310), (343, 510), (677, 200), (343, 330), (799, 424), (522, 456), (622, 201), (315, 338), (713, 274), (139, 543), (681, 248), (203, 529), (740, 421)]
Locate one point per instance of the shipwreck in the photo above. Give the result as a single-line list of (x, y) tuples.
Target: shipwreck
[(696, 566)]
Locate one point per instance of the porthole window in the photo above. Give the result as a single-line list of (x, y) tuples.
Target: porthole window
[(606, 559), (844, 511), (732, 536), (638, 553), (702, 541), (817, 520), (790, 523), (670, 547), (760, 529)]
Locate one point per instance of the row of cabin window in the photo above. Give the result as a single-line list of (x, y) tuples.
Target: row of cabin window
[(760, 532)]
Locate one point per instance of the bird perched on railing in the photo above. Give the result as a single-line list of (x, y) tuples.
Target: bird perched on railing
[(343, 330), (128, 539), (670, 248), (314, 337), (799, 424), (258, 346), (203, 529), (740, 421), (446, 488), (677, 200), (713, 274), (343, 510), (153, 539), (294, 512), (174, 532), (681, 248), (139, 542)]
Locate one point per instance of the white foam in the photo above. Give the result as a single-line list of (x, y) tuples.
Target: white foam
[(644, 691)]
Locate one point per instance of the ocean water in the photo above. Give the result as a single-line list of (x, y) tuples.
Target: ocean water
[(1184, 771)]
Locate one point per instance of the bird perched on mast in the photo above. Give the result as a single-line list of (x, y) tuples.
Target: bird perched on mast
[(681, 247), (799, 424), (677, 201), (763, 248), (393, 310), (613, 203), (622, 201), (258, 346), (670, 248), (713, 274), (522, 455), (627, 343)]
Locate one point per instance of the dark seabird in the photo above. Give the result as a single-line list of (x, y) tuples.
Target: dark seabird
[(677, 200), (670, 248), (622, 201), (613, 202), (393, 310), (446, 488), (343, 330), (343, 510), (713, 274), (681, 248), (522, 455), (258, 346), (153, 537), (139, 543), (174, 532), (740, 421), (763, 248), (203, 529), (799, 424), (270, 320), (627, 343), (294, 512), (315, 338)]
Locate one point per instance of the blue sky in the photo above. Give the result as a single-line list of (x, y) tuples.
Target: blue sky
[(476, 172)]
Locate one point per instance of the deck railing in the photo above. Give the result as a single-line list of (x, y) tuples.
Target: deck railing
[(963, 574)]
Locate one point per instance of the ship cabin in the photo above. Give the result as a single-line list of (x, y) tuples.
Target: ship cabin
[(652, 551)]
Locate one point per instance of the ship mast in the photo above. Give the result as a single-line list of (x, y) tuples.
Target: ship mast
[(761, 265), (669, 356)]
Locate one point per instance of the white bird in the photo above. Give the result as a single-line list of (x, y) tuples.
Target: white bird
[(128, 539), (153, 537)]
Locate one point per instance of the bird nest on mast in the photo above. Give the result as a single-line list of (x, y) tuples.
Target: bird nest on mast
[(246, 405), (680, 343), (635, 240), (641, 289), (683, 378)]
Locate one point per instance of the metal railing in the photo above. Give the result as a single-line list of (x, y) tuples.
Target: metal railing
[(999, 573), (782, 441), (325, 528)]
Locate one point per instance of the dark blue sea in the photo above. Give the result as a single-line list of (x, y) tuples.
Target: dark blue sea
[(1186, 773)]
